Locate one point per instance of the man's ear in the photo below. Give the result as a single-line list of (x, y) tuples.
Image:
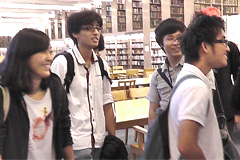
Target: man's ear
[(205, 47), (75, 35)]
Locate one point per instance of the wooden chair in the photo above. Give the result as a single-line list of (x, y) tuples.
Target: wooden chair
[(119, 95), (137, 149), (131, 73), (111, 74), (148, 71), (126, 85), (117, 67), (138, 92), (118, 76)]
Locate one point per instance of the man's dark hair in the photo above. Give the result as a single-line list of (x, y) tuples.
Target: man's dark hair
[(203, 28), (76, 20), (14, 70), (168, 26)]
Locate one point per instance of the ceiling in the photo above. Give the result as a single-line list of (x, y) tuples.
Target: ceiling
[(17, 14), (41, 6), (50, 2)]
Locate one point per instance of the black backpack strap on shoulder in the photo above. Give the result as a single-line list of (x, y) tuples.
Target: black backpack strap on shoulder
[(70, 69), (164, 77), (103, 72)]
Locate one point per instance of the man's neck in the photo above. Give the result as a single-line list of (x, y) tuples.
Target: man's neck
[(86, 54), (172, 61), (202, 67)]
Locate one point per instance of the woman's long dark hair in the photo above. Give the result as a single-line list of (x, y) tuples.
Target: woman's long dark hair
[(14, 70)]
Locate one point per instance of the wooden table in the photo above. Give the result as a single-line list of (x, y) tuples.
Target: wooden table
[(131, 112), (124, 71), (139, 82)]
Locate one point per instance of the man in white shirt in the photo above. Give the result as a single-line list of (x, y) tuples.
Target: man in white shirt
[(193, 127), (90, 99)]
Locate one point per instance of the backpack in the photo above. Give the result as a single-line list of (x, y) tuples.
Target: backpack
[(70, 69), (157, 144), (6, 101)]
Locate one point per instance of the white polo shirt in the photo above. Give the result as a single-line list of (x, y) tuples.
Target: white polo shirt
[(86, 99), (190, 102)]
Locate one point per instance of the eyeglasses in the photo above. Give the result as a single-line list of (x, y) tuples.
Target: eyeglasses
[(92, 28), (173, 38), (221, 41)]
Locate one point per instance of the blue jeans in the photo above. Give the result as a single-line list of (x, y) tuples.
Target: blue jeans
[(89, 153)]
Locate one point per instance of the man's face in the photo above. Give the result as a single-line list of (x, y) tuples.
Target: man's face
[(218, 58), (171, 44), (88, 36)]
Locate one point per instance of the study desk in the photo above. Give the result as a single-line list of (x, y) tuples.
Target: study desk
[(124, 71), (139, 82), (131, 112)]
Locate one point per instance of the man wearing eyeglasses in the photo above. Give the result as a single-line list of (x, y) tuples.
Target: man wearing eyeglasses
[(168, 33), (193, 127), (224, 79), (90, 99)]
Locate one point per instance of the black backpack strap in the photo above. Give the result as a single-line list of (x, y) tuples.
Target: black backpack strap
[(103, 72), (70, 70), (164, 77)]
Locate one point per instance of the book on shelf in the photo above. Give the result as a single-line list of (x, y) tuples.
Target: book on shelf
[(137, 45), (137, 25), (137, 17), (121, 20), (108, 19), (155, 8), (121, 1), (177, 10), (121, 13), (108, 30), (108, 25), (137, 10), (177, 2), (121, 27), (108, 8), (202, 1), (155, 14), (155, 1), (136, 4), (121, 6), (155, 22)]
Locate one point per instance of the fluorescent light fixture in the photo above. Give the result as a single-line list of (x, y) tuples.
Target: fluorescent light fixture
[(137, 36), (122, 37), (23, 15), (7, 20), (42, 7)]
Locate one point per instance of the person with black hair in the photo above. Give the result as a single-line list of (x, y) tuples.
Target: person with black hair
[(224, 78), (193, 126), (90, 99), (168, 34), (37, 124)]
